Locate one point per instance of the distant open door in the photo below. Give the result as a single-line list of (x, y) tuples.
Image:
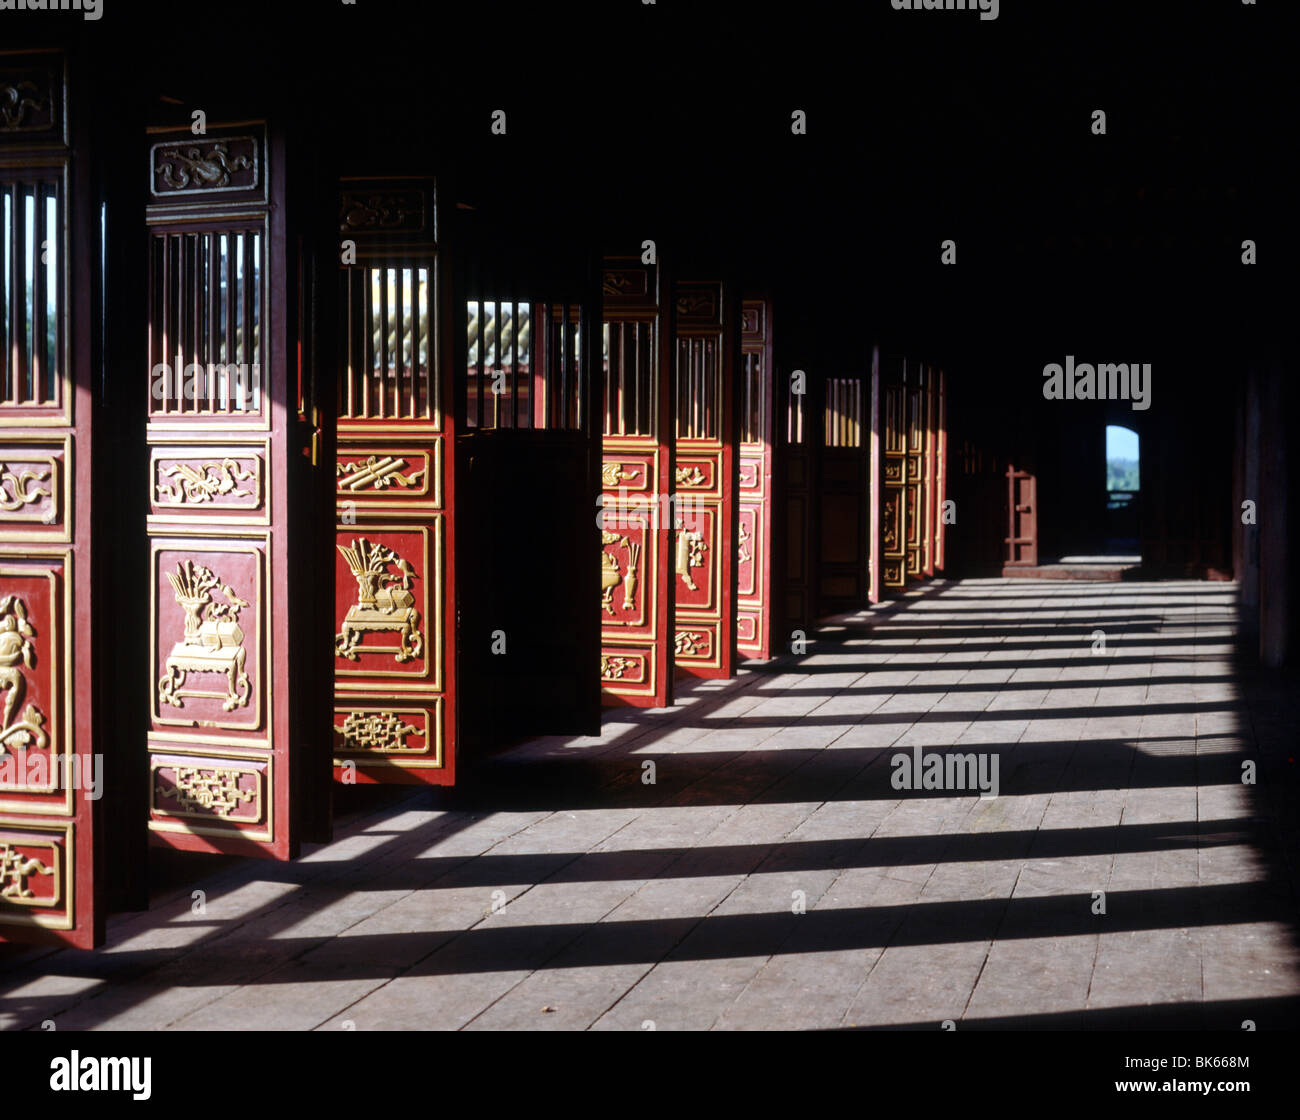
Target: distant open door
[(1022, 518), (528, 461)]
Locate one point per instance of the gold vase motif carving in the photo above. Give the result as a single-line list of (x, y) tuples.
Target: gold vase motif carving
[(213, 641), (385, 603)]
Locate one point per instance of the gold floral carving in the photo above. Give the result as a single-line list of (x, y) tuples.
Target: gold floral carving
[(376, 731), (15, 870), (403, 210), (742, 544), (377, 473), (696, 304), (213, 641), (889, 533), (384, 603), (623, 283), (17, 650), (613, 668), (202, 484), (691, 642), (208, 789), (611, 474), (22, 488), (183, 168)]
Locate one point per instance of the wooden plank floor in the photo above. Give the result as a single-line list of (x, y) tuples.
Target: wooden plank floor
[(773, 875)]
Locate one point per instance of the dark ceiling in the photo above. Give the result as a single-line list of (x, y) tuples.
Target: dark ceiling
[(672, 120)]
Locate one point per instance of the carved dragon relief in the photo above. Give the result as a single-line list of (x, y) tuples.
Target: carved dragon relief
[(203, 483), (691, 643), (385, 603), (190, 168), (17, 650), (382, 211), (18, 101), (22, 488), (213, 641)]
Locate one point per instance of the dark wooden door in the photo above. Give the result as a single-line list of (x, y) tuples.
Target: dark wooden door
[(1022, 515), (529, 464), (795, 507), (845, 495)]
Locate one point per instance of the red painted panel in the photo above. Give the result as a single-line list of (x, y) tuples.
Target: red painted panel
[(394, 711), (637, 468), (50, 820)]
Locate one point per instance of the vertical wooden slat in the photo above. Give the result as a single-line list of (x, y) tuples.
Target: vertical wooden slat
[(37, 378), (399, 340), (6, 267), (229, 348), (19, 379)]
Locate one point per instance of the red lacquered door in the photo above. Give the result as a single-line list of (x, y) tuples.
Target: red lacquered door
[(754, 526), (704, 478), (49, 819), (393, 561), (636, 596), (232, 758)]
